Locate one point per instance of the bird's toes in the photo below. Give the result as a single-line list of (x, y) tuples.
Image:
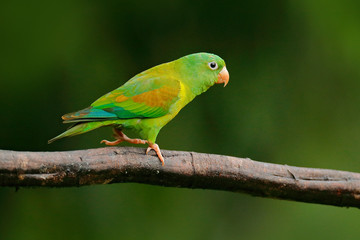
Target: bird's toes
[(148, 150)]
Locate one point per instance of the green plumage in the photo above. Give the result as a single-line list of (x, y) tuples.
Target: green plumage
[(149, 100)]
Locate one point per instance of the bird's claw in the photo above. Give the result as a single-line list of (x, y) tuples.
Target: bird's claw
[(156, 148)]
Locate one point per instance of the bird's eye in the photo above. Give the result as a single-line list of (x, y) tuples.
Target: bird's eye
[(213, 65)]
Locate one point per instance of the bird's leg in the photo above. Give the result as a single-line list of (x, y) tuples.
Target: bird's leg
[(121, 137), (111, 143), (156, 148)]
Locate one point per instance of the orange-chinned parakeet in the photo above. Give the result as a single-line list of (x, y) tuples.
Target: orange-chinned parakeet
[(149, 100)]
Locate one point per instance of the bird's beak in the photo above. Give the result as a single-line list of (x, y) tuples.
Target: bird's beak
[(223, 76)]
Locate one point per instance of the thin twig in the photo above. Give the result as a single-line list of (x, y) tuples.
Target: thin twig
[(182, 169)]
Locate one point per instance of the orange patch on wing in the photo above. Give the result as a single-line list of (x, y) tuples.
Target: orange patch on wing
[(160, 97), (121, 98), (75, 115)]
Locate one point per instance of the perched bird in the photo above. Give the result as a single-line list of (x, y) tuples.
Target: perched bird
[(149, 100)]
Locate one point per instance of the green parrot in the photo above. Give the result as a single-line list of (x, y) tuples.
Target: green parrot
[(149, 100)]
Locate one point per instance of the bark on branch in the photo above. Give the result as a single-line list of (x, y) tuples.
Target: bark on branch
[(182, 169)]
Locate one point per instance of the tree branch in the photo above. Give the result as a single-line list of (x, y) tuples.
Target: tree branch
[(182, 169)]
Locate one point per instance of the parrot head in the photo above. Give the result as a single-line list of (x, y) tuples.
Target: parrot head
[(202, 70)]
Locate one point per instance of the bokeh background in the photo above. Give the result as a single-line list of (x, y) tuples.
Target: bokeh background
[(293, 98)]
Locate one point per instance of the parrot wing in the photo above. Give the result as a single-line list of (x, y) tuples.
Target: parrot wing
[(144, 96)]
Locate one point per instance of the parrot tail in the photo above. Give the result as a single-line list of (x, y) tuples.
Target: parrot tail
[(80, 128)]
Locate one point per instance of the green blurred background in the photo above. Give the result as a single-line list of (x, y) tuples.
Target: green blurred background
[(293, 98)]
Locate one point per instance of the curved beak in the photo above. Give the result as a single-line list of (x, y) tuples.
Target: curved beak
[(223, 76)]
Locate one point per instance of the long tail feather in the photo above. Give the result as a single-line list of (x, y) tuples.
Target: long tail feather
[(80, 128)]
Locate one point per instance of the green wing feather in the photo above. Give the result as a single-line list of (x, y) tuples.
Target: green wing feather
[(144, 96)]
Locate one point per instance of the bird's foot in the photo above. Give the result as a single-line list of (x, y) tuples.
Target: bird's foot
[(121, 137), (156, 148)]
